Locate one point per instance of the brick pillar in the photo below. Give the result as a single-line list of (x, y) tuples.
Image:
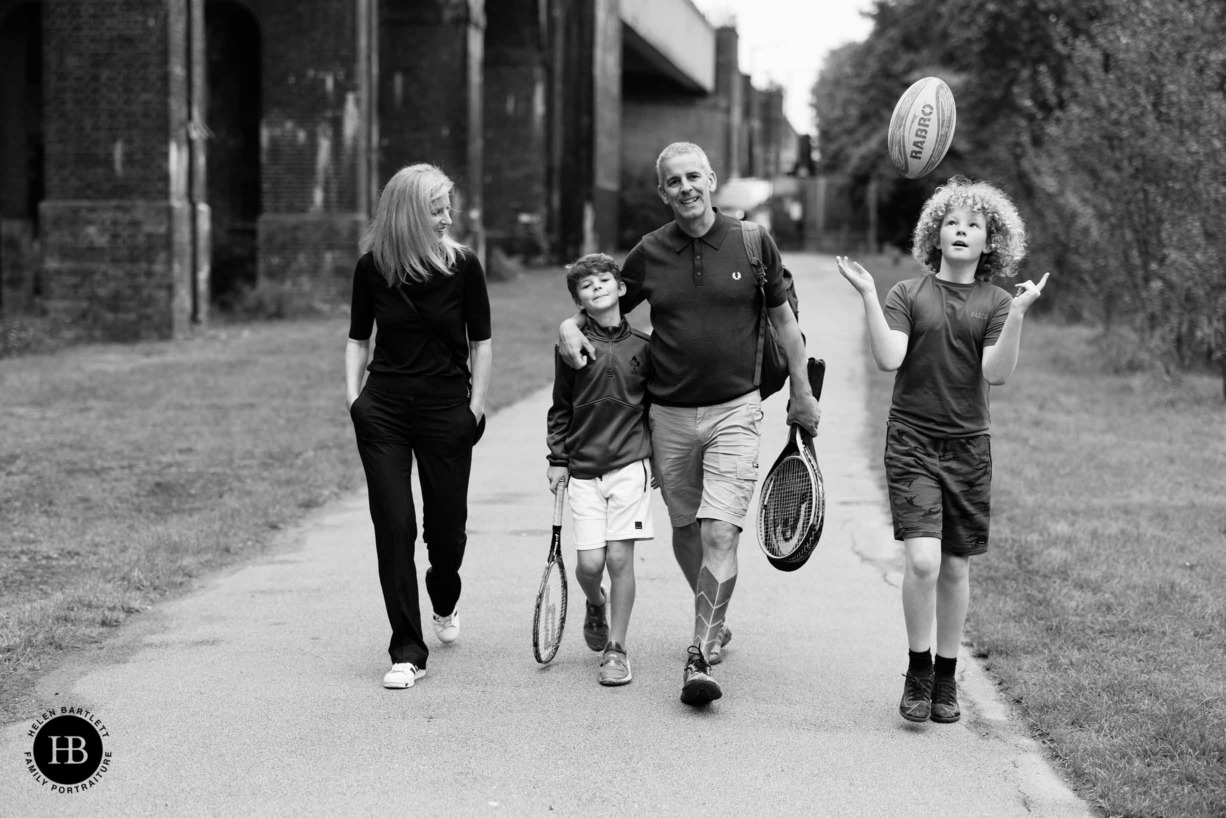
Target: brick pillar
[(315, 143), (21, 161), (728, 90), (606, 123), (122, 232), (585, 38), (516, 203), (431, 57)]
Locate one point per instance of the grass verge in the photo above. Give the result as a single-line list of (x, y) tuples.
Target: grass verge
[(1100, 608), (128, 471)]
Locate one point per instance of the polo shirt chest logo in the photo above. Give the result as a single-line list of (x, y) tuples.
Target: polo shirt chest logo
[(736, 275)]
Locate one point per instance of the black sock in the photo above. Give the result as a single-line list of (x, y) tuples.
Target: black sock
[(945, 667), (919, 661)]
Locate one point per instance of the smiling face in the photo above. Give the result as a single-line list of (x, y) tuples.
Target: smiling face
[(598, 292), (964, 236), (440, 216), (686, 183)]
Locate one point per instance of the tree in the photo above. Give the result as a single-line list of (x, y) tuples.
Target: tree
[(1135, 167), (1004, 60)]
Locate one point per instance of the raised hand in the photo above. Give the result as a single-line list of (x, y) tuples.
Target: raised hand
[(860, 278), (1027, 292)]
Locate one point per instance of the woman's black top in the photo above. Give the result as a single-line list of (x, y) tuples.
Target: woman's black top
[(406, 361)]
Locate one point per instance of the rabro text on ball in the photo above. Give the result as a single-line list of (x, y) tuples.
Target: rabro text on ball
[(921, 132)]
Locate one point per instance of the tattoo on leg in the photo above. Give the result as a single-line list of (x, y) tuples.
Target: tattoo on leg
[(710, 606)]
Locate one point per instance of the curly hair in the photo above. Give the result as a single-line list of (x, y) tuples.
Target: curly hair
[(1006, 239), (590, 265)]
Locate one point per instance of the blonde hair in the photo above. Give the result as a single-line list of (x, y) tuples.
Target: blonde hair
[(1006, 234), (401, 235)]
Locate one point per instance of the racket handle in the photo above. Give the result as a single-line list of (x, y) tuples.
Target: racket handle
[(817, 376), (559, 500)]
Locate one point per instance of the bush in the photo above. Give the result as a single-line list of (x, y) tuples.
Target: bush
[(28, 334)]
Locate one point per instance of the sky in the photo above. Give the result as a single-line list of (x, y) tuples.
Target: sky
[(785, 41)]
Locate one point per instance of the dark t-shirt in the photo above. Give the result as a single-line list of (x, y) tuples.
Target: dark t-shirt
[(705, 310), (939, 389), (406, 361)]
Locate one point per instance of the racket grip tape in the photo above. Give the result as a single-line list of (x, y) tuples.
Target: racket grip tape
[(559, 501), (817, 376)]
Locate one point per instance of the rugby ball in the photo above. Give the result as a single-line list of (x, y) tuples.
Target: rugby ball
[(922, 127)]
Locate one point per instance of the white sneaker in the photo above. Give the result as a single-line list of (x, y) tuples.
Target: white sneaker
[(402, 675), (447, 628)]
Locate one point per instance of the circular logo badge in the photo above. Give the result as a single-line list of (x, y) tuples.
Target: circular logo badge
[(68, 754)]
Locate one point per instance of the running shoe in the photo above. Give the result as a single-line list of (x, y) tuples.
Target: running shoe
[(717, 650), (402, 675), (945, 700), (614, 666), (596, 626), (697, 686), (447, 628), (916, 704)]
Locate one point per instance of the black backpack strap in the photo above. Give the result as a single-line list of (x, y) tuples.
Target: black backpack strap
[(753, 242), (447, 351)]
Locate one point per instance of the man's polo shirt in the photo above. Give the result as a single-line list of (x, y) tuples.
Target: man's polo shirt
[(705, 309)]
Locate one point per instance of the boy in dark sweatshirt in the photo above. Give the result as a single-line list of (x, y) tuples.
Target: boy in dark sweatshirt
[(599, 444)]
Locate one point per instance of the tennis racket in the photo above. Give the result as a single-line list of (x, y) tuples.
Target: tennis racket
[(792, 506), (550, 616)]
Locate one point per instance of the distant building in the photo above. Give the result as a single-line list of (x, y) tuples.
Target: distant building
[(158, 155)]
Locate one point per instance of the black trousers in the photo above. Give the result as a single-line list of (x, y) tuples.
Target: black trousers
[(392, 431)]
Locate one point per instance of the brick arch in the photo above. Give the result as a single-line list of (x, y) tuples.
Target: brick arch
[(233, 112), (22, 167)]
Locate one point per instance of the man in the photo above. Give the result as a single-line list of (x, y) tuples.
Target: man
[(705, 411)]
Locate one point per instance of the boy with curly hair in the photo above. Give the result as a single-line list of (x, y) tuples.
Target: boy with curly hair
[(949, 335)]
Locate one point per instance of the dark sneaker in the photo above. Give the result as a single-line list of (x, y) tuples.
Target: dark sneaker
[(697, 687), (614, 666), (916, 704), (945, 700), (717, 650), (596, 626)]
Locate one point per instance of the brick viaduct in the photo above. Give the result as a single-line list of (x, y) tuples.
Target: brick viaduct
[(155, 155)]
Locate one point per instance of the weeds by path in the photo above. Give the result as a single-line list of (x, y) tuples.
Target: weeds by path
[(1100, 607), (126, 471)]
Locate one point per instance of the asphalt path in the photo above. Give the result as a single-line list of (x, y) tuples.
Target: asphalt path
[(260, 692)]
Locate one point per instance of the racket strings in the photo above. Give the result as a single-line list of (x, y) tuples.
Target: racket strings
[(788, 507), (549, 615)]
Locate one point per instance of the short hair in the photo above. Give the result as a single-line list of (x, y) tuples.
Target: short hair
[(1006, 233), (590, 265), (401, 235), (677, 149)]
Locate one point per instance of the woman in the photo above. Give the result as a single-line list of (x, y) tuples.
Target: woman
[(424, 399)]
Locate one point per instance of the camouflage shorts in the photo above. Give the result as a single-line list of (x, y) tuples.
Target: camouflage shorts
[(940, 488)]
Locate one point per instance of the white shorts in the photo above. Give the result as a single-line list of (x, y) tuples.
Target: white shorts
[(615, 506)]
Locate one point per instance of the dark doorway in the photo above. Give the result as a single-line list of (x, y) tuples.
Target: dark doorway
[(21, 154), (232, 112)]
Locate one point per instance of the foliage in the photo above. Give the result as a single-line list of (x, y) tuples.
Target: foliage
[(1118, 167), (26, 334), (1134, 165)]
